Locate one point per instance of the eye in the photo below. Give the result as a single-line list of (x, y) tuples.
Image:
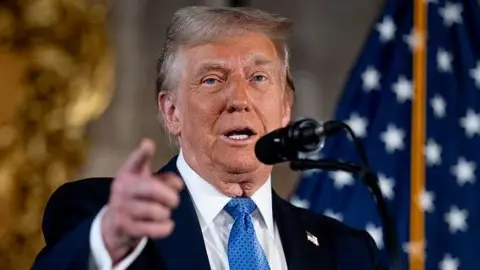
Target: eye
[(258, 78), (210, 81)]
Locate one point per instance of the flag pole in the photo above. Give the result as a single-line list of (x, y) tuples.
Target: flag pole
[(417, 171)]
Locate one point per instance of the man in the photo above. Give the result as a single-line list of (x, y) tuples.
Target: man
[(223, 82)]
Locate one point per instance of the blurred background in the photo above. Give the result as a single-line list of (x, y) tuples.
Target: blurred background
[(77, 93)]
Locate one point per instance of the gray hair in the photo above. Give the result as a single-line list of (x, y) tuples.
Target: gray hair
[(197, 25)]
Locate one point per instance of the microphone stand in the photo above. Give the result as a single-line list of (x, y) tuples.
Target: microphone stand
[(370, 179)]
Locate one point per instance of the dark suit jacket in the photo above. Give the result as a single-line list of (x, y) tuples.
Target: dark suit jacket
[(72, 208)]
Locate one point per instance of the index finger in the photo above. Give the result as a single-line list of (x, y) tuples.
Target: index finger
[(140, 157)]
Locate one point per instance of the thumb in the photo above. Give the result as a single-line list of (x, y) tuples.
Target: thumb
[(140, 157)]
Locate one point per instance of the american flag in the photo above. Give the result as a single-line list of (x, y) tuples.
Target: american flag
[(377, 103)]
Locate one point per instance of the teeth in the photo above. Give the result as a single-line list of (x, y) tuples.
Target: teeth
[(238, 137)]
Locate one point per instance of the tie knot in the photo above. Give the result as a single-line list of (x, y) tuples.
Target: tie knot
[(239, 206)]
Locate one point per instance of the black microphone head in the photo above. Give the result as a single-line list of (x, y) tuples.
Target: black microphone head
[(286, 143), (266, 146)]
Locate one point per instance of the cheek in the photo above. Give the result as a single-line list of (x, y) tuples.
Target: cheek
[(270, 111), (200, 112)]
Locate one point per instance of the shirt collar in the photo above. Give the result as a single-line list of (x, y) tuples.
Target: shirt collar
[(209, 202)]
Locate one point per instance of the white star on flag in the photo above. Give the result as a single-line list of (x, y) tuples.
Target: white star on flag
[(449, 263), (341, 179), (471, 123), (451, 13), (376, 233), (426, 201), (358, 125), (393, 138), (386, 29), (456, 219), (299, 202), (444, 60), (371, 79), (438, 105), (414, 39), (404, 89), (475, 74), (464, 171), (433, 153), (386, 186), (330, 213)]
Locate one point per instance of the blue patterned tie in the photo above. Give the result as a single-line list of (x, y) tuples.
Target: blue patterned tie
[(244, 250)]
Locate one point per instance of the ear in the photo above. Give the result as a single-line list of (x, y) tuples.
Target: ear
[(169, 110)]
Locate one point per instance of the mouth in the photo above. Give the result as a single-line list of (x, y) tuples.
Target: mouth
[(239, 134)]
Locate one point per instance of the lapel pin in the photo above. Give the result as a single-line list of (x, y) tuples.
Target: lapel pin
[(312, 238)]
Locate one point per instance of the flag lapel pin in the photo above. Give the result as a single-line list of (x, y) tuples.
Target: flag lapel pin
[(312, 238)]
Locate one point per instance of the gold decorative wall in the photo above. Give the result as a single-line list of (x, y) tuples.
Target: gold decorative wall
[(56, 74)]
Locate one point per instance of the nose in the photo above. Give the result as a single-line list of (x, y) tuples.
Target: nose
[(238, 99), (238, 105)]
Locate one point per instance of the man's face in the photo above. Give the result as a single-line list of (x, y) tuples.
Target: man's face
[(230, 93)]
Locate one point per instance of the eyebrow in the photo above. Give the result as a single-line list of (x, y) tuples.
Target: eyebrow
[(211, 66)]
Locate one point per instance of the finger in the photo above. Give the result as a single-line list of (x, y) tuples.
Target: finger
[(148, 211), (172, 180), (152, 189), (140, 157), (150, 229)]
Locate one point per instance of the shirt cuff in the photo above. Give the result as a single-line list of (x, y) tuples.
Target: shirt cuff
[(101, 258)]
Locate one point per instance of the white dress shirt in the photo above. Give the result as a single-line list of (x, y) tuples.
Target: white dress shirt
[(215, 224)]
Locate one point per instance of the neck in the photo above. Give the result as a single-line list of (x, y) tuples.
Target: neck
[(238, 184), (228, 183)]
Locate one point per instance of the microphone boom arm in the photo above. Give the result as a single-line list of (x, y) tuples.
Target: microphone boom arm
[(324, 164)]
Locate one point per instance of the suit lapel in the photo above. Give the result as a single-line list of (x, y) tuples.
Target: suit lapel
[(184, 248), (300, 253)]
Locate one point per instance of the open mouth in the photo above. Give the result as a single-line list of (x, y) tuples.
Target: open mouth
[(239, 134)]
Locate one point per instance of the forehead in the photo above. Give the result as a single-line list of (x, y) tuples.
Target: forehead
[(246, 49)]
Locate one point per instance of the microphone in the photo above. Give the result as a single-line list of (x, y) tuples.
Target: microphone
[(285, 144)]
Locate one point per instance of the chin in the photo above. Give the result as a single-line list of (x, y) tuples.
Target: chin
[(239, 164)]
